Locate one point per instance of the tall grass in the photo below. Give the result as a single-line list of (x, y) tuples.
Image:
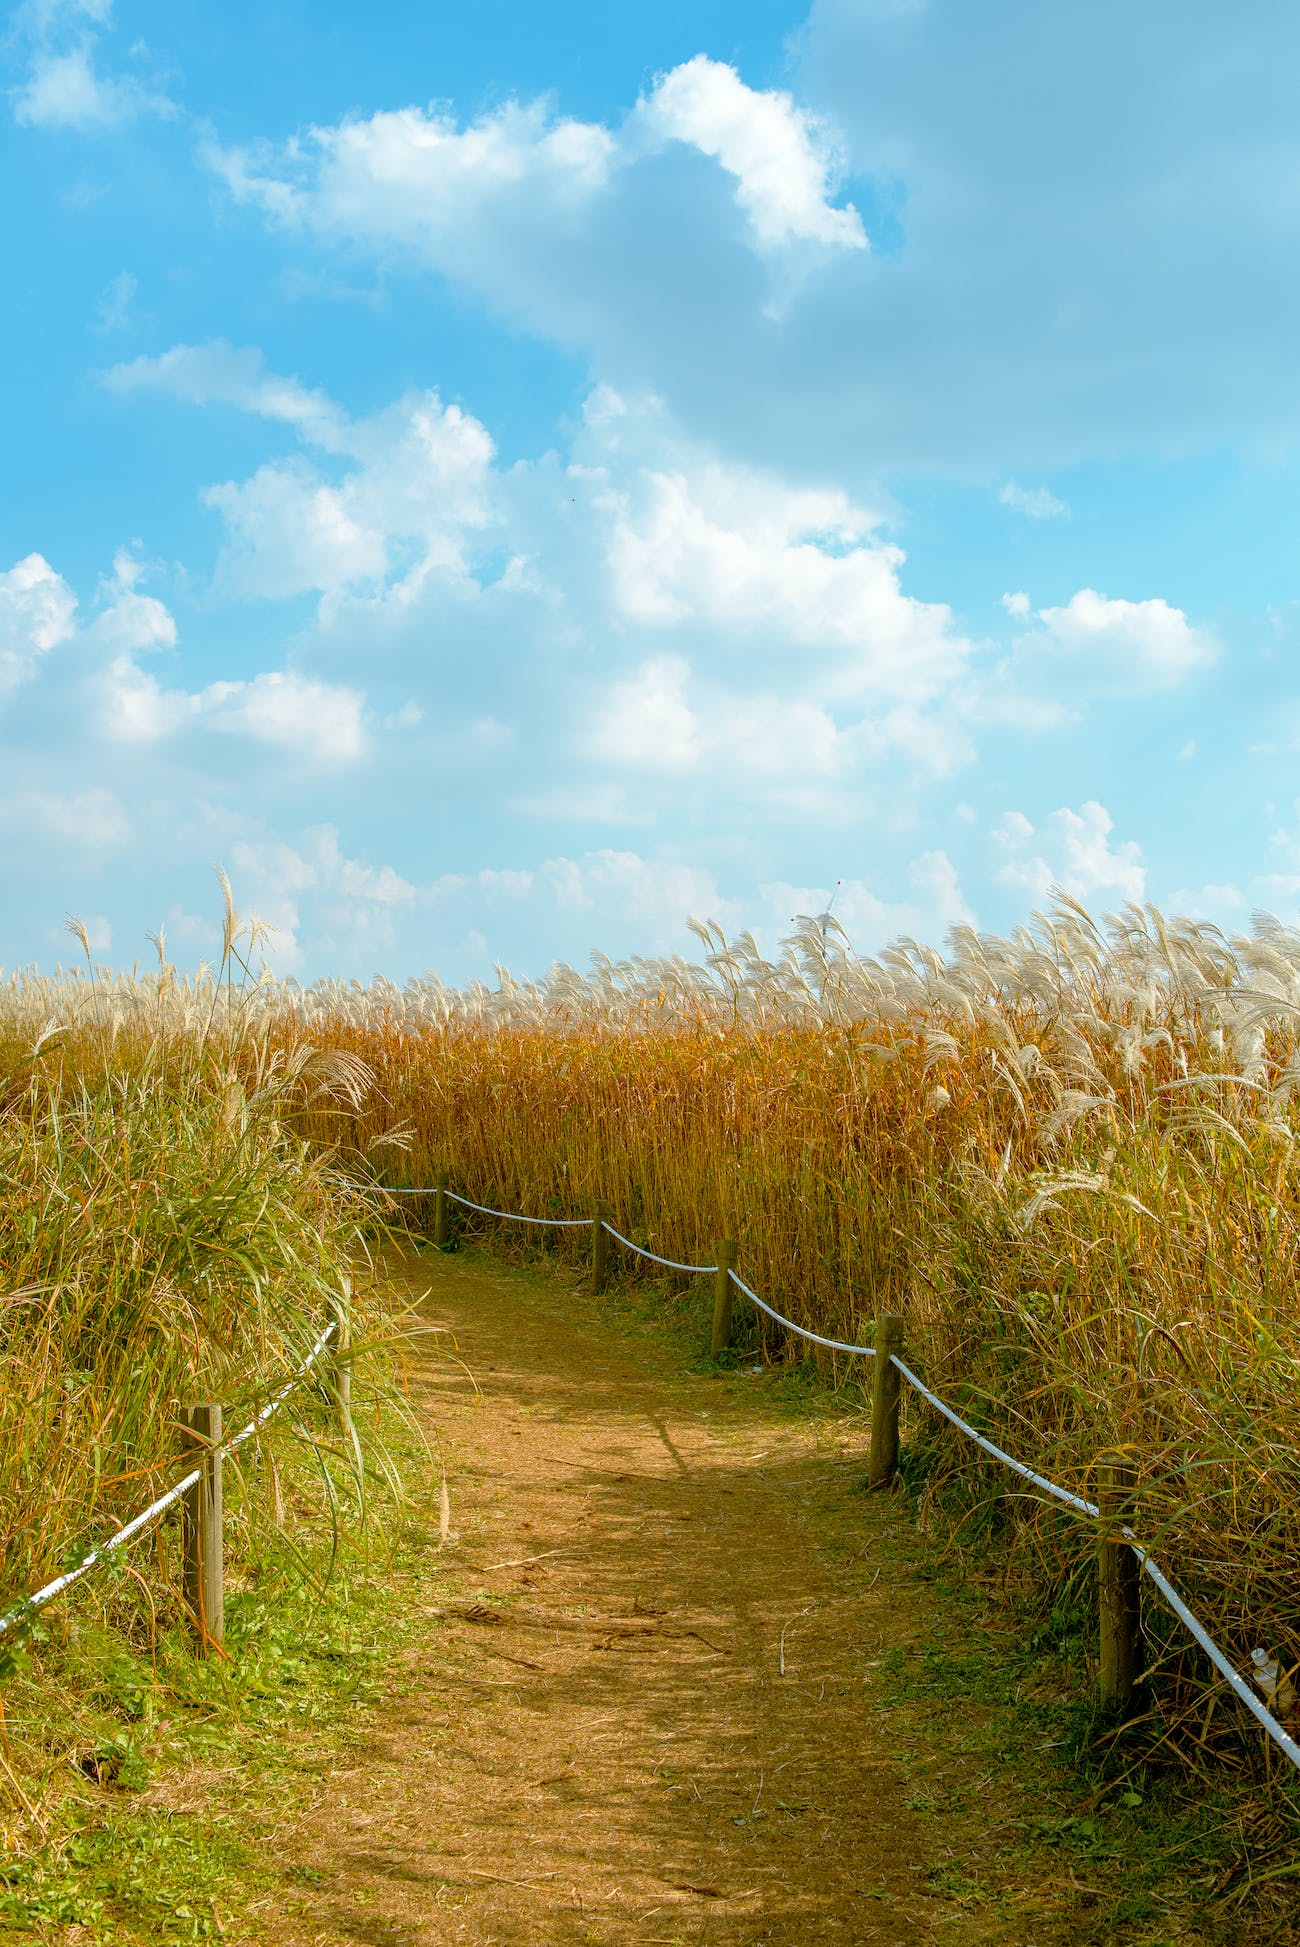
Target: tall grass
[(168, 1233), (1068, 1156)]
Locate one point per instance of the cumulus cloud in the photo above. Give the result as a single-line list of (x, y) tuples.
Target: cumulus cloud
[(754, 559), (507, 201), (315, 885), (130, 623), (319, 723), (1017, 316), (315, 721), (218, 373), (934, 903), (36, 615), (92, 823), (743, 621), (408, 483), (660, 895), (291, 532), (312, 887), (1218, 903), (783, 160), (65, 87), (312, 719), (1071, 849), (1147, 644), (1090, 647)]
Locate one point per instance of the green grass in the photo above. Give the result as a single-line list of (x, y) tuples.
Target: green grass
[(1160, 1853), (168, 1772)]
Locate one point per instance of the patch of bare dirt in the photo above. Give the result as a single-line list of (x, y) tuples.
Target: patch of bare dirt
[(648, 1708)]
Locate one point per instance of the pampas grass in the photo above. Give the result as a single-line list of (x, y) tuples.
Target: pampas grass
[(1069, 1156)]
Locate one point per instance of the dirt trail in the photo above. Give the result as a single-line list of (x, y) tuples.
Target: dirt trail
[(649, 1709)]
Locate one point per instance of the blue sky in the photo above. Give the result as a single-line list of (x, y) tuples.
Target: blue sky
[(503, 480)]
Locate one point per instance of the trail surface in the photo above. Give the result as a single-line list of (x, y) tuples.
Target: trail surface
[(649, 1707)]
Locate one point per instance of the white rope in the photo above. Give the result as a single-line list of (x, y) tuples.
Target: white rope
[(160, 1506), (1239, 1684), (670, 1263), (835, 1345), (513, 1216), (1017, 1467), (1195, 1629)]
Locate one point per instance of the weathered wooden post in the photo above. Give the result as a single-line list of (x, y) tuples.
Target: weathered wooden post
[(725, 1251), (441, 1181), (203, 1576), (599, 1246), (885, 1386), (1119, 1577)]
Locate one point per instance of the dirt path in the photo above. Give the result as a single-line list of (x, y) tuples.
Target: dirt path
[(648, 1710)]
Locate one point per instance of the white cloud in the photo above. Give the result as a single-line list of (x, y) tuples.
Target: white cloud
[(647, 720), (1035, 503), (64, 88), (290, 532), (1091, 647), (935, 904), (36, 615), (781, 157), (413, 176), (316, 884), (1208, 902), (1071, 849), (320, 721), (1150, 643), (477, 200), (410, 482), (92, 822), (797, 660), (660, 895), (317, 721), (752, 559), (219, 373), (113, 310), (129, 623)]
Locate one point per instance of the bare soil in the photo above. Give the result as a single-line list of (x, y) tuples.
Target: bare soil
[(650, 1706)]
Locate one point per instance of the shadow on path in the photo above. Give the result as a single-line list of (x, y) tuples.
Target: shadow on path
[(648, 1708)]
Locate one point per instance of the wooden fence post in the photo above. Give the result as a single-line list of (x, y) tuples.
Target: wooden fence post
[(441, 1181), (599, 1246), (726, 1255), (203, 1576), (1119, 1577), (885, 1386)]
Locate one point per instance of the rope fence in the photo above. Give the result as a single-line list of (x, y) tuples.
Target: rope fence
[(1122, 1558), (199, 1492)]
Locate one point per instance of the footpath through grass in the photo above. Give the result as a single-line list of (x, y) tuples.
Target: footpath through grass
[(660, 1670)]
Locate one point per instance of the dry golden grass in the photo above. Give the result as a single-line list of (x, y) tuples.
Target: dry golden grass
[(1069, 1157)]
